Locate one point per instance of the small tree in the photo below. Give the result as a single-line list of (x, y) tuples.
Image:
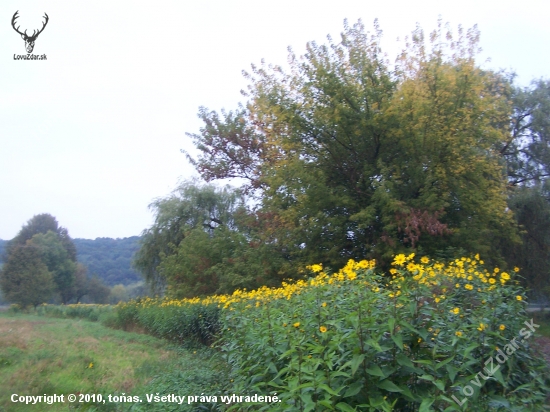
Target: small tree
[(25, 279), (98, 292), (118, 294)]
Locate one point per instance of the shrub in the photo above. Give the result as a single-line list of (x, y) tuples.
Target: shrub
[(407, 341), (177, 320), (91, 312)]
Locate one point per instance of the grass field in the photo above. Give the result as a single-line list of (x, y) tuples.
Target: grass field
[(40, 355)]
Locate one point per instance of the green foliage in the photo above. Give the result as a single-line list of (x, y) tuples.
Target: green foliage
[(97, 291), (109, 259), (188, 207), (178, 321), (356, 159), (205, 241), (57, 260), (25, 278), (50, 244), (219, 262), (118, 294), (42, 224), (527, 151), (531, 206), (2, 250), (359, 341), (79, 311)]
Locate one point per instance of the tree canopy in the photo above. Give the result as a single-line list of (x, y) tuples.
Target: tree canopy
[(361, 159), (42, 252), (344, 155)]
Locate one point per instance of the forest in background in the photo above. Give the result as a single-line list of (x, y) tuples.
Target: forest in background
[(108, 259)]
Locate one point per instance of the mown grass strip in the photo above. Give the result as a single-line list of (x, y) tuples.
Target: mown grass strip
[(41, 355)]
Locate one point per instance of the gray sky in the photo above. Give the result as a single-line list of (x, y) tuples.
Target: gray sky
[(93, 134)]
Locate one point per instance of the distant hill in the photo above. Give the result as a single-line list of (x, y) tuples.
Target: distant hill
[(109, 259), (2, 248)]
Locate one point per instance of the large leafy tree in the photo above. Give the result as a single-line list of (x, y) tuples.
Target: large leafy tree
[(206, 240), (55, 249), (527, 148), (25, 278), (356, 158), (43, 223), (188, 207), (58, 261)]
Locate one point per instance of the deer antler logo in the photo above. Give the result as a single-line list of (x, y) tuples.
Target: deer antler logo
[(29, 40)]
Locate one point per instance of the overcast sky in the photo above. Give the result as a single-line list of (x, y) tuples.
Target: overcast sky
[(93, 134)]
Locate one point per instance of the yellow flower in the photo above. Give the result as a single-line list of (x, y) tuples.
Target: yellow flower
[(477, 256), (455, 311), (399, 259), (437, 300), (425, 260), (324, 304), (516, 269), (91, 365), (505, 276), (519, 298), (502, 327), (411, 256), (458, 333), (284, 325), (296, 325), (481, 327), (315, 268), (322, 329), (457, 285), (496, 270), (468, 286), (492, 281)]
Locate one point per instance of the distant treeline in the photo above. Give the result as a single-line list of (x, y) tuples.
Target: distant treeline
[(108, 259)]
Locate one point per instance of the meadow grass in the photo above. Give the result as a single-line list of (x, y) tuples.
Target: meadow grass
[(41, 355)]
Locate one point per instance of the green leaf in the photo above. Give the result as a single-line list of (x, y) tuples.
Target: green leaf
[(451, 371), (376, 401), (469, 349), (425, 405), (391, 324), (353, 389), (409, 326), (327, 389), (403, 360), (355, 362), (398, 339), (389, 386), (375, 371), (344, 407), (446, 361), (440, 385), (424, 362)]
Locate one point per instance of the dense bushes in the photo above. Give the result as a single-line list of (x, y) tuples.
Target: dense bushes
[(426, 336), (407, 341), (82, 311), (177, 320)]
